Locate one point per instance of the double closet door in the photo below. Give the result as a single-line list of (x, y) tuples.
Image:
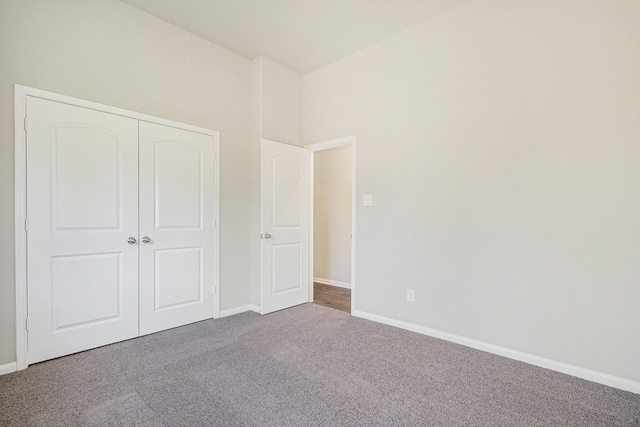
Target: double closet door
[(121, 228)]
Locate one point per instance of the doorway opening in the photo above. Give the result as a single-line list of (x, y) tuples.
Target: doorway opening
[(333, 224)]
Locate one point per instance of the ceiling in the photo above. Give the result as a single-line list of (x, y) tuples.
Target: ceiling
[(303, 35)]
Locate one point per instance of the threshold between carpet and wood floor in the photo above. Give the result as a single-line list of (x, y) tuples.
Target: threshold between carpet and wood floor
[(304, 366), (332, 296)]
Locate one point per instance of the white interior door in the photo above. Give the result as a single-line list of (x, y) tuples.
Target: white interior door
[(285, 218), (177, 227), (82, 207)]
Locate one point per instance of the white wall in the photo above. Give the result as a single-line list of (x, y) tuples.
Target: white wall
[(281, 102), (108, 52), (501, 142), (276, 105), (332, 215)]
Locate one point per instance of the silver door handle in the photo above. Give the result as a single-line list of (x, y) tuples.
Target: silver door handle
[(131, 240), (267, 235), (146, 239)]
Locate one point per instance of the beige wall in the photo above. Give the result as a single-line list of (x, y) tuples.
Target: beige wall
[(281, 103), (108, 52), (332, 215), (501, 142)]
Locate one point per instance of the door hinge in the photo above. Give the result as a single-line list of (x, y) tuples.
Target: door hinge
[(26, 224), (26, 323), (26, 124)]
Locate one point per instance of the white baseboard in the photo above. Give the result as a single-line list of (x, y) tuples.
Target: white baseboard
[(576, 371), (237, 310), (7, 368), (332, 282)]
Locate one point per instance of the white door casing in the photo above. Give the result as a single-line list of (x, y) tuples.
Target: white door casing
[(177, 217), (83, 206), (326, 145), (285, 221)]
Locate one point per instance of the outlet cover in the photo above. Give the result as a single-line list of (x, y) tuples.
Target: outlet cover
[(410, 295)]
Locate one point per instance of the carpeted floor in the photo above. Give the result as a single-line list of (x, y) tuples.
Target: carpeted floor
[(305, 366)]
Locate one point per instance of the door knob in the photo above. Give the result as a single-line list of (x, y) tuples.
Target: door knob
[(146, 239), (267, 235), (131, 240)]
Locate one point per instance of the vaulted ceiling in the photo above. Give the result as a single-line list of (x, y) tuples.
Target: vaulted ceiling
[(304, 35)]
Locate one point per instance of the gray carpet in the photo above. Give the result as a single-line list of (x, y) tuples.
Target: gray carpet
[(305, 366)]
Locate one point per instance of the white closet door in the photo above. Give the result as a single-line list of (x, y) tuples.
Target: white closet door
[(177, 219), (82, 206)]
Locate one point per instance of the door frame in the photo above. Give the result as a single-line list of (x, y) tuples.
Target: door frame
[(326, 145), (20, 188)]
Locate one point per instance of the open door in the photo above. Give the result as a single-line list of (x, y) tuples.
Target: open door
[(285, 219)]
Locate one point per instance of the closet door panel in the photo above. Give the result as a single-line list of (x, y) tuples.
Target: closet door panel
[(177, 219), (82, 207)]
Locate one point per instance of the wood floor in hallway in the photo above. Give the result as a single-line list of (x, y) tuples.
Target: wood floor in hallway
[(332, 297)]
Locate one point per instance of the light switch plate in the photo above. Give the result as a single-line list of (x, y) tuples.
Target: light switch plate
[(367, 200)]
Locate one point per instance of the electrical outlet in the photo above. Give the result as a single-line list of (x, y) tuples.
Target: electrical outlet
[(410, 295)]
